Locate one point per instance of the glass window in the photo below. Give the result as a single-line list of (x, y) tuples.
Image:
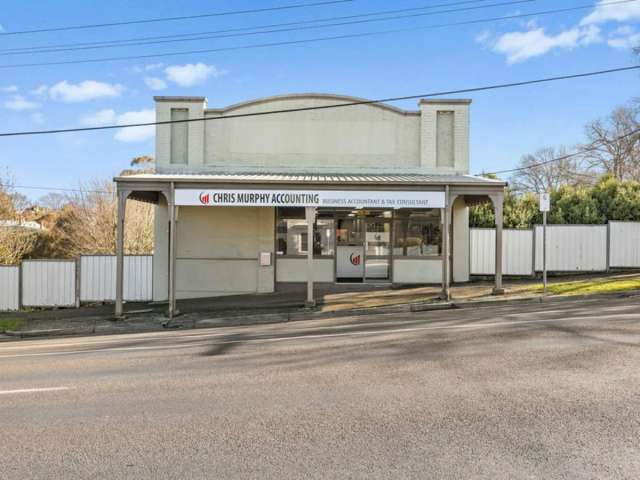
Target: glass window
[(292, 237), (418, 234), (324, 237)]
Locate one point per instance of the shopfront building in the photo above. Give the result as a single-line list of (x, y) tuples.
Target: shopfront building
[(323, 191)]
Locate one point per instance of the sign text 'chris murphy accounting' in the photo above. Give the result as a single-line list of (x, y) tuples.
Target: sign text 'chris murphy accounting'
[(309, 198)]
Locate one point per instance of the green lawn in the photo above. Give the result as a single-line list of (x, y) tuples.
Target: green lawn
[(10, 324), (584, 287)]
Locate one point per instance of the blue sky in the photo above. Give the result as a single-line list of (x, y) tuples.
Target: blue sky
[(505, 124)]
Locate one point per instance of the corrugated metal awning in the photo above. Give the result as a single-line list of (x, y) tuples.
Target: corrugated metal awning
[(311, 179)]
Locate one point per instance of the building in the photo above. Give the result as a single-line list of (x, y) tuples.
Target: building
[(308, 188)]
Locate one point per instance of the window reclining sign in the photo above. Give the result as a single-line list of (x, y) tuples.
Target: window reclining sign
[(309, 198)]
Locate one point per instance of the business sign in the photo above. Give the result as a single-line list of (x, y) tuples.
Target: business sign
[(545, 202), (309, 198), (350, 262)]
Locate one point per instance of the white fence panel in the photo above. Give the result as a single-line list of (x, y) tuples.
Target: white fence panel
[(49, 283), (573, 248), (9, 287), (98, 278), (517, 252), (624, 244)]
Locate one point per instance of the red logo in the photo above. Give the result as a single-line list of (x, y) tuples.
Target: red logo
[(204, 198), (354, 259)]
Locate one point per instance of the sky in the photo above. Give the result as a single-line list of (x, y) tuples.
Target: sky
[(505, 124)]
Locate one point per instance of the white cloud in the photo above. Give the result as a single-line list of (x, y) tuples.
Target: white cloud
[(136, 134), (483, 37), (625, 38), (191, 74), (9, 89), (620, 12), (146, 68), (37, 117), (520, 46), (40, 91), (155, 83), (101, 117), (83, 91), (19, 103)]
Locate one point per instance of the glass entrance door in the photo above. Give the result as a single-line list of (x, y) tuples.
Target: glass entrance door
[(377, 247)]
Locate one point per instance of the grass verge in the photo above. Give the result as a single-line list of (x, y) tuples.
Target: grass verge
[(10, 324), (585, 287)]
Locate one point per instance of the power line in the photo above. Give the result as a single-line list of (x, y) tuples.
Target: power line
[(60, 189), (546, 162), (244, 29), (330, 106), (290, 28), (170, 19), (563, 157), (310, 40)]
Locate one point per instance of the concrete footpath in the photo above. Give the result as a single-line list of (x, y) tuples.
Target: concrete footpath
[(284, 306)]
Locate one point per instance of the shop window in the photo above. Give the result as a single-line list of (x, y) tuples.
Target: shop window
[(417, 234), (292, 238)]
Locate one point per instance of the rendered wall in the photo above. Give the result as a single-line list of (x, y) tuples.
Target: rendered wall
[(295, 270), (356, 139), (218, 251), (460, 250), (415, 271)]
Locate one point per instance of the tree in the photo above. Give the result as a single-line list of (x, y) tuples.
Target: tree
[(141, 164), (541, 172), (87, 223), (53, 201), (606, 152)]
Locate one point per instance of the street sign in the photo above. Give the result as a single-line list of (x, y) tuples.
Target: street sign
[(545, 202), (545, 206)]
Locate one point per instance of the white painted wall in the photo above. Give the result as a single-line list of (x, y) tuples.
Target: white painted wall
[(429, 114), (573, 248), (49, 283), (9, 288), (460, 249), (295, 270), (363, 138), (416, 271), (624, 244), (218, 251)]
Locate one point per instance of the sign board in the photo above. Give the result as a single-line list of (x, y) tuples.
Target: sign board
[(350, 262), (309, 198), (545, 202)]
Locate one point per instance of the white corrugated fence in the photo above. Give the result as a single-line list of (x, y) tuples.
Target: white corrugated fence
[(49, 283), (573, 248), (624, 244), (98, 278), (517, 251), (9, 287)]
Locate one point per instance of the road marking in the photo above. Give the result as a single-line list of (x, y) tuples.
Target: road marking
[(33, 390), (325, 335)]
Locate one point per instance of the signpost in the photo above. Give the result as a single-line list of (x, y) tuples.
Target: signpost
[(545, 206)]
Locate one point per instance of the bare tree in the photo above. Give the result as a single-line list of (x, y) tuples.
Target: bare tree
[(607, 152), (87, 223), (53, 201), (546, 170)]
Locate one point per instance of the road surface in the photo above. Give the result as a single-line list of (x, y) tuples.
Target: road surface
[(528, 391)]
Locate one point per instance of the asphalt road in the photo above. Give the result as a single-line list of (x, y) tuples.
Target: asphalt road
[(537, 391)]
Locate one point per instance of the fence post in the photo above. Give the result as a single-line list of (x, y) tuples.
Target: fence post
[(77, 282), (20, 286), (608, 246)]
